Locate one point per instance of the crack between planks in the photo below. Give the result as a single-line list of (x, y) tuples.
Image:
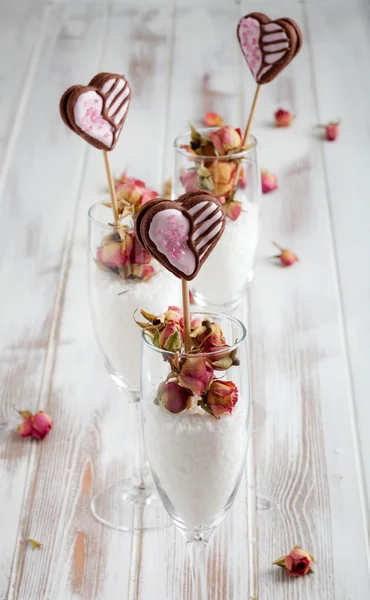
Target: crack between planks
[(364, 500)]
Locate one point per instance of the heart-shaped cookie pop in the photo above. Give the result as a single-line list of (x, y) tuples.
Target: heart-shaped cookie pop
[(181, 233), (97, 111), (268, 46)]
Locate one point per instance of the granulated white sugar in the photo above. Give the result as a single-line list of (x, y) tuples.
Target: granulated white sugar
[(230, 265), (196, 459), (114, 302)]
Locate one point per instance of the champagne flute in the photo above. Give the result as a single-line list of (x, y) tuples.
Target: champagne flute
[(197, 456), (122, 277)]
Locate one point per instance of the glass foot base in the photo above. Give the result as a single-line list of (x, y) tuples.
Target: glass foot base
[(127, 508)]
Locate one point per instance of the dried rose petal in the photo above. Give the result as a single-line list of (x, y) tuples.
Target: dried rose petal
[(225, 139)]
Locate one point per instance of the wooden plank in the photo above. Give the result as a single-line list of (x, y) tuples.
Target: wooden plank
[(21, 27), (348, 96), (91, 444), (37, 214), (306, 453), (203, 76)]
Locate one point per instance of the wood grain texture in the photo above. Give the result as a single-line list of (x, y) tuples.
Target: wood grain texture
[(306, 457), (80, 558), (309, 324), (347, 96), (21, 28)]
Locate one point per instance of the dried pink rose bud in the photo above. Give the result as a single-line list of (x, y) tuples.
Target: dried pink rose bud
[(25, 428), (286, 256), (195, 322), (225, 139), (42, 424), (283, 118), (242, 178), (332, 130), (233, 210), (173, 314), (212, 119), (138, 254), (189, 180), (143, 272), (111, 255), (269, 182), (170, 337), (221, 397), (195, 375), (174, 397), (297, 563)]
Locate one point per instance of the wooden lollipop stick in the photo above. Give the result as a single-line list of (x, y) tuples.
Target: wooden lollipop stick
[(251, 115), (186, 313), (112, 190)]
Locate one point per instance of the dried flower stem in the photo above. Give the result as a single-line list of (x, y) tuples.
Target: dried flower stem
[(111, 187), (186, 313)]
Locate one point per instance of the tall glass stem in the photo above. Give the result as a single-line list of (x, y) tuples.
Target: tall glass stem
[(197, 551), (141, 480)]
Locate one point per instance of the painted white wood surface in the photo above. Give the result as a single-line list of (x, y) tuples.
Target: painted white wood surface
[(306, 455)]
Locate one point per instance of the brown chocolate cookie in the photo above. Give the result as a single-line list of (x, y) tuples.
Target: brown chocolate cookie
[(181, 233), (268, 46), (97, 111)]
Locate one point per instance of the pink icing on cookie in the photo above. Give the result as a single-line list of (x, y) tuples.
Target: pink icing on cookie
[(249, 39), (88, 117), (169, 231)]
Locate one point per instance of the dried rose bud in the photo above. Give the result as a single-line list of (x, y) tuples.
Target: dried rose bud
[(138, 254), (212, 119), (283, 118), (25, 428), (221, 397), (225, 139), (143, 272), (233, 210), (195, 375), (195, 322), (173, 315), (42, 424), (297, 563), (174, 397), (332, 130), (269, 182), (170, 337), (242, 181), (223, 176), (287, 257), (189, 180), (111, 255)]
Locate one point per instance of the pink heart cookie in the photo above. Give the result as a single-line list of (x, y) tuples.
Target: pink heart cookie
[(181, 233), (268, 46), (98, 111)]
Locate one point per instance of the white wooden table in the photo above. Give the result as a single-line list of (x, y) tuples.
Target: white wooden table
[(309, 325)]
